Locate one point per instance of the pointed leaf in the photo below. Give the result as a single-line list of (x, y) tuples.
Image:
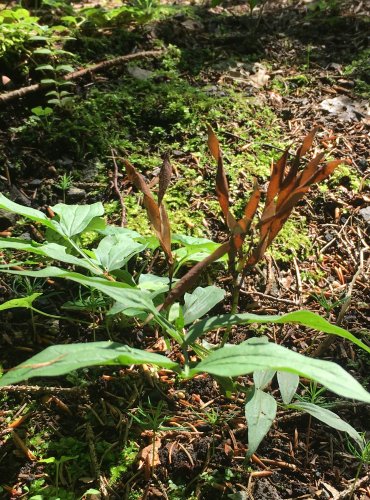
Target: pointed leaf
[(277, 174), (325, 171), (260, 413), (236, 360), (222, 188), (150, 204), (213, 144), (25, 302), (165, 238), (329, 418), (290, 181), (114, 251), (164, 178), (61, 359), (188, 280), (50, 250), (201, 301), (262, 378), (249, 212), (288, 384), (304, 318), (29, 213), (74, 219), (131, 298), (307, 142), (310, 168)]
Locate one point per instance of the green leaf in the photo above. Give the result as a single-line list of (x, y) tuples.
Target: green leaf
[(193, 249), (114, 251), (129, 297), (61, 359), (42, 51), (48, 81), (288, 383), (260, 413), (304, 318), (45, 67), (73, 219), (329, 418), (38, 38), (64, 68), (262, 378), (40, 111), (150, 242), (153, 282), (255, 354), (51, 250), (201, 301), (21, 302), (28, 212)]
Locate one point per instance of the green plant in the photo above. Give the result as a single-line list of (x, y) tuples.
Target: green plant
[(64, 183), (158, 300), (327, 304), (58, 464), (126, 458), (55, 66), (17, 26), (361, 452)]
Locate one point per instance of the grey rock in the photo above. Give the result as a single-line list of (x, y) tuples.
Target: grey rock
[(7, 219), (75, 194), (365, 213)]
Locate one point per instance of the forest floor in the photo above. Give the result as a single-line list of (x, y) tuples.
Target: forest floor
[(263, 81)]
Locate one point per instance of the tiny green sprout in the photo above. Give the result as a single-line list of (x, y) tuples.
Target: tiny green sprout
[(151, 418), (313, 394), (327, 304), (360, 453), (64, 183)]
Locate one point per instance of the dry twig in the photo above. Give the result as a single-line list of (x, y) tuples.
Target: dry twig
[(117, 61)]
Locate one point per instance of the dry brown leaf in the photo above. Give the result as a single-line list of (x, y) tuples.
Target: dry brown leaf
[(149, 458), (164, 178), (213, 144), (222, 187), (150, 204)]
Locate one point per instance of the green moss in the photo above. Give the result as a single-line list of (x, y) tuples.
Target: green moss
[(292, 241), (360, 70), (346, 175)]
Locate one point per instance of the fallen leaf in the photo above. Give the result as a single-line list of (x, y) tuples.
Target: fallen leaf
[(139, 73), (259, 78), (149, 457), (346, 109)]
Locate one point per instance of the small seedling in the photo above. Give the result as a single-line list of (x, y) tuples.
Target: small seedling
[(64, 183), (361, 452)]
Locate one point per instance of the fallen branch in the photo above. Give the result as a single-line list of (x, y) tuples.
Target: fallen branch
[(15, 94)]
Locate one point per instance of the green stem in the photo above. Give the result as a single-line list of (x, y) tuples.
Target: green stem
[(168, 328), (237, 283), (83, 255), (359, 468), (59, 317)]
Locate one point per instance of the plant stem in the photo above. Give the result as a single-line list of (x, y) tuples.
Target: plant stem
[(359, 468), (237, 283)]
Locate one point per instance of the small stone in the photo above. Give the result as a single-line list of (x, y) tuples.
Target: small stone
[(35, 183), (365, 213), (75, 194), (7, 219)]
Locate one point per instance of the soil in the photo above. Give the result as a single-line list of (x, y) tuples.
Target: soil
[(90, 421)]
